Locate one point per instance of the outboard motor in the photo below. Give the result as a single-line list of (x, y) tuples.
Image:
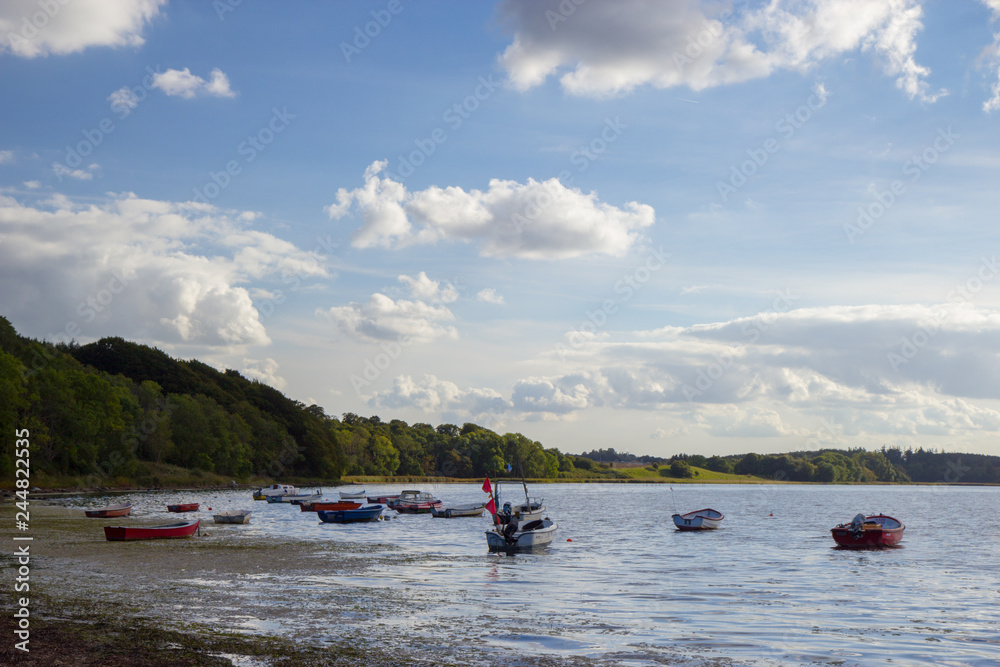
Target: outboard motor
[(858, 526)]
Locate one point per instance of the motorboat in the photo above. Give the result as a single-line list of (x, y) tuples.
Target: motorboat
[(274, 490), (295, 498), (414, 502), (706, 519), (869, 532), (527, 536), (529, 510)]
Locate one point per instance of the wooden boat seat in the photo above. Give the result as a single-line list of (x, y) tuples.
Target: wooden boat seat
[(532, 525)]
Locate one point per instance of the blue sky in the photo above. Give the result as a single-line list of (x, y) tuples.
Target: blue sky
[(656, 226)]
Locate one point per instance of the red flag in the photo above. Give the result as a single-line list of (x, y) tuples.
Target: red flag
[(491, 507), (486, 486)]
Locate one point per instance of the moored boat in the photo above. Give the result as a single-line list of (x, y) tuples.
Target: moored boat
[(122, 533), (527, 537), (316, 506), (183, 507), (123, 509), (457, 511), (366, 513), (295, 498), (352, 495), (706, 519), (236, 516), (274, 490), (414, 502), (869, 532), (382, 500)]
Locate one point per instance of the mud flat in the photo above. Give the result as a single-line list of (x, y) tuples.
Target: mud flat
[(217, 599)]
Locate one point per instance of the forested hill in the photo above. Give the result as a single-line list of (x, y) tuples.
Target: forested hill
[(97, 412), (113, 412)]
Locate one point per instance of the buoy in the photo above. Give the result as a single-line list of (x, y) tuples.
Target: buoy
[(570, 539), (771, 514)]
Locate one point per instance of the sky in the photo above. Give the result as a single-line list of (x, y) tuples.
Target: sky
[(663, 227)]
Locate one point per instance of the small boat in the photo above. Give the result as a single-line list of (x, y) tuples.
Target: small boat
[(295, 498), (122, 533), (314, 506), (236, 516), (527, 537), (110, 511), (869, 532), (352, 495), (274, 490), (414, 502), (366, 513), (706, 519), (382, 500), (457, 511), (183, 507)]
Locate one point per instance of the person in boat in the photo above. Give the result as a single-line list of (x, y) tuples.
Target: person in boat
[(507, 519)]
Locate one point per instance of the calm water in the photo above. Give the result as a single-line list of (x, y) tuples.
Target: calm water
[(629, 589)]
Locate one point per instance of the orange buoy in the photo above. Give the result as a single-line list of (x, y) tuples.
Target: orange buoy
[(569, 539)]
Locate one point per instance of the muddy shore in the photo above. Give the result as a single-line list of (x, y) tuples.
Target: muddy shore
[(218, 599)]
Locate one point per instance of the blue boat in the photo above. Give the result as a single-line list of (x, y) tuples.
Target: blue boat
[(366, 513)]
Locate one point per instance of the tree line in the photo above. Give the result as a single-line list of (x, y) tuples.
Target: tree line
[(97, 412)]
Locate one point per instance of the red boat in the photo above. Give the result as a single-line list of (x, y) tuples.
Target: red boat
[(110, 511), (183, 507), (869, 532), (121, 533), (414, 502), (330, 506)]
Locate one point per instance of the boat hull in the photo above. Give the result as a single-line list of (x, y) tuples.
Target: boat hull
[(232, 517), (382, 500), (354, 495), (877, 532), (124, 533), (362, 515), (423, 507), (704, 519), (183, 507), (523, 540), (332, 507), (109, 512)]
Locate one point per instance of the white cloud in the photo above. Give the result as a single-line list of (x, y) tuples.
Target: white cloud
[(6, 156), (32, 29), (87, 174), (159, 271), (383, 318), (610, 47), (265, 370), (425, 289), (123, 99), (182, 83), (536, 220), (430, 395), (489, 295), (32, 185), (990, 59)]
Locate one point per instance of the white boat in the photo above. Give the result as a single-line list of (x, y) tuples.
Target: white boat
[(456, 511), (274, 490), (236, 516), (296, 498), (351, 495), (528, 536), (706, 519)]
